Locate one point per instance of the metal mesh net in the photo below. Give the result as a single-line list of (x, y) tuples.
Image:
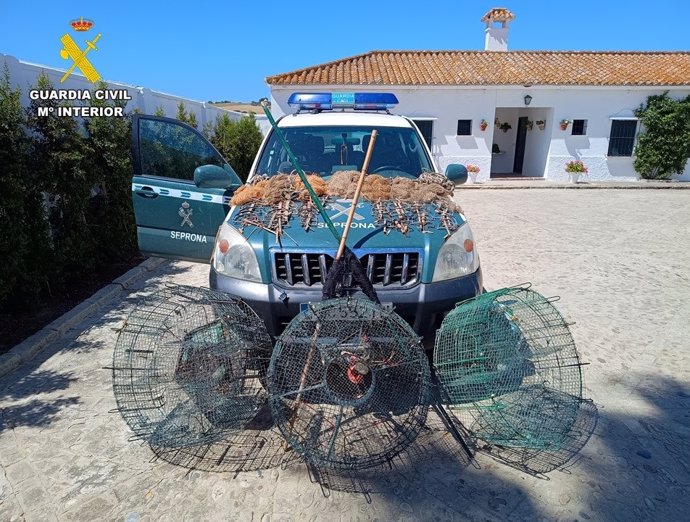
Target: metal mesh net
[(508, 361), (188, 365), (348, 384)]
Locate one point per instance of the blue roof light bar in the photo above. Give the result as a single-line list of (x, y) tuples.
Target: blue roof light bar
[(368, 101)]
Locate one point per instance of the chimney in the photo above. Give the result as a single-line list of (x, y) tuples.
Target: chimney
[(497, 35)]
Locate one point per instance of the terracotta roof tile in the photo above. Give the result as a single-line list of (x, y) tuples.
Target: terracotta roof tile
[(497, 68), (498, 14)]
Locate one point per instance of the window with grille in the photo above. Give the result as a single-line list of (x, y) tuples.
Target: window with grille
[(464, 127), (579, 127), (622, 137)]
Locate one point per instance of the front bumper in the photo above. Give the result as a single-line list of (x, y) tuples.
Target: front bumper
[(422, 306)]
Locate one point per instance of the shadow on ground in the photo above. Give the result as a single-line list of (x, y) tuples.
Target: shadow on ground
[(27, 394)]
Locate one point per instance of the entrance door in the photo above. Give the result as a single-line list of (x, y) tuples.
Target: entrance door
[(520, 144)]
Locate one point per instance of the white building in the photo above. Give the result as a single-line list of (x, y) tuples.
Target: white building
[(450, 93)]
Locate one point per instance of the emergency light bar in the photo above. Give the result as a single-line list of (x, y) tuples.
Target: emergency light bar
[(367, 101)]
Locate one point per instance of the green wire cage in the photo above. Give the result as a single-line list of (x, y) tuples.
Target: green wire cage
[(508, 366), (188, 366), (349, 384)]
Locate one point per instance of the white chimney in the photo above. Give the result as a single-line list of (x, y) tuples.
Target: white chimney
[(497, 35)]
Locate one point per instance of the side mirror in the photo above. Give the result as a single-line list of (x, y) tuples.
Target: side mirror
[(213, 176), (456, 173)]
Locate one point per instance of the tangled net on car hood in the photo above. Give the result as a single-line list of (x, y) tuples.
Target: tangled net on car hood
[(402, 204), (430, 187)]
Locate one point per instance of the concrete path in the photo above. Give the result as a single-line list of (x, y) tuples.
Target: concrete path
[(618, 259), (518, 183)]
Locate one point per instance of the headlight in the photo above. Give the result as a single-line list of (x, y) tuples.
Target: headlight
[(457, 256), (233, 255)]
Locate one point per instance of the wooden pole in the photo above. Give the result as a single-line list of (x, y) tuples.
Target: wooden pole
[(355, 198)]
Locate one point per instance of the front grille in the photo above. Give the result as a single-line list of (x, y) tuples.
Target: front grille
[(295, 268), (382, 269), (388, 269)]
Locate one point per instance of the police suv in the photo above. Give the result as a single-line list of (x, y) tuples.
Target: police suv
[(182, 188)]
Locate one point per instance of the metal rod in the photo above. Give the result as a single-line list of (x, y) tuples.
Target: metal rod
[(300, 172)]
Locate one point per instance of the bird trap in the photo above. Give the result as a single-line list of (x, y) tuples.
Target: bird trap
[(507, 360), (348, 384), (188, 366)]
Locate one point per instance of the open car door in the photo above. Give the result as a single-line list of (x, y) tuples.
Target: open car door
[(181, 189)]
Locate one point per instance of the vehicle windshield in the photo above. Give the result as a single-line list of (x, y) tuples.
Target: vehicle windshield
[(324, 150)]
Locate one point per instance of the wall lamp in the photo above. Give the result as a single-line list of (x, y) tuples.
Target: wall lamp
[(528, 99)]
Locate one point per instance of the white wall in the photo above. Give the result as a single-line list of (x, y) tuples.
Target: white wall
[(24, 75), (538, 140), (546, 151)]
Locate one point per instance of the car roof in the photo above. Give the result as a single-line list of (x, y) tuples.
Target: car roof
[(333, 118)]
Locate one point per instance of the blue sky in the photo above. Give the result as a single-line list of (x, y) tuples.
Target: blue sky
[(224, 50)]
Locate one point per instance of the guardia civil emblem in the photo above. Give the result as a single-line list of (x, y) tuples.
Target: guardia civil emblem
[(186, 214)]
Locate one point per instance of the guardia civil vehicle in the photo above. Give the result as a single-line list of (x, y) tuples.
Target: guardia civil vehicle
[(182, 188)]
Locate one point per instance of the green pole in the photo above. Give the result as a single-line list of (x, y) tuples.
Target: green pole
[(300, 172)]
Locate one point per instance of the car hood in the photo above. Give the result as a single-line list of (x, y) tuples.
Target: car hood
[(364, 236)]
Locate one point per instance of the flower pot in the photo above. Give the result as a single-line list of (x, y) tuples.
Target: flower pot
[(473, 177), (483, 126), (574, 177), (541, 126), (564, 126)]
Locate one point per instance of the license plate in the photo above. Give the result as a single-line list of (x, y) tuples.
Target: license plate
[(303, 307)]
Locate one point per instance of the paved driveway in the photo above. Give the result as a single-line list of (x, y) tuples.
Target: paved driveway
[(618, 258)]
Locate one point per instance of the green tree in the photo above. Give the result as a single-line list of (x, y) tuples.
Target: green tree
[(58, 157), (663, 148), (186, 117), (24, 242), (111, 217), (191, 120), (159, 111), (238, 141)]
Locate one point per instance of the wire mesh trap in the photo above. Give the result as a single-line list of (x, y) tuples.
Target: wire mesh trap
[(348, 384), (507, 361), (188, 366)]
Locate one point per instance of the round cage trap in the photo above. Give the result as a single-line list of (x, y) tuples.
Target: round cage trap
[(507, 360), (188, 366), (348, 384)]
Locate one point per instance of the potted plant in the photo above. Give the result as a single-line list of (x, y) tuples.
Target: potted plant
[(472, 171), (575, 169), (564, 124), (529, 125), (505, 126), (495, 149), (483, 125), (497, 122), (541, 124)]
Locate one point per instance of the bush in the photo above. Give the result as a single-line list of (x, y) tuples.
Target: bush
[(24, 242), (663, 148), (59, 157), (66, 197), (238, 141), (110, 210)]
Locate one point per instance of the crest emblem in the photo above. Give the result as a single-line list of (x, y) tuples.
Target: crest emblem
[(186, 214), (71, 51)]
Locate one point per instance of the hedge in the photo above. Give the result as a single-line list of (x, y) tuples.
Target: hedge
[(65, 192)]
